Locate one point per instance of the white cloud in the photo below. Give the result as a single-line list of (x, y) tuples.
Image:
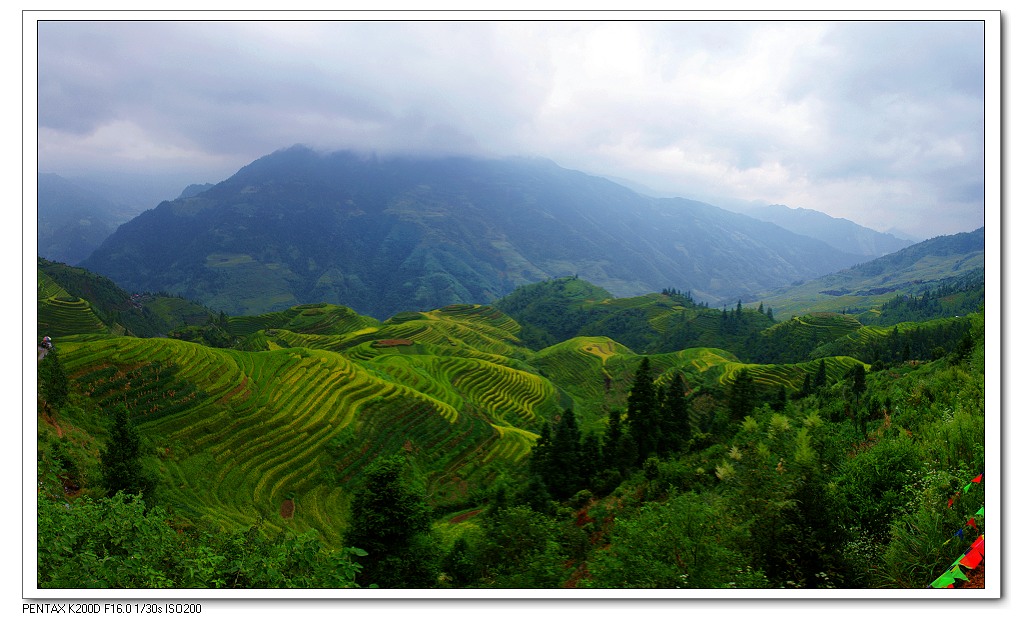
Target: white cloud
[(824, 115)]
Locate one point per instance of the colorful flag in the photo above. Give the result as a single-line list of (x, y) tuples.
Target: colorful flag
[(944, 581), (972, 558)]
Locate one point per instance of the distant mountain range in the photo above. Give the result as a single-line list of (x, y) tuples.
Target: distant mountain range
[(841, 234), (949, 260), (381, 235), (73, 219)]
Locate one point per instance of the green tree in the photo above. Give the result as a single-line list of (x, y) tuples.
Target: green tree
[(859, 380), (565, 477), (690, 541), (121, 459), (120, 543), (643, 409), (820, 378), (742, 395), (522, 549), (461, 564), (391, 522), (675, 420), (53, 382), (781, 400)]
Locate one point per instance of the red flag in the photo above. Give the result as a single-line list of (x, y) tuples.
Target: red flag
[(972, 558), (971, 523), (977, 478), (979, 544)]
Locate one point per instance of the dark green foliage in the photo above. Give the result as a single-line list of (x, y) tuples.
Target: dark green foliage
[(211, 334), (618, 450), (877, 482), (686, 542), (391, 521), (461, 565), (557, 458), (820, 377), (964, 348), (780, 400), (773, 476), (551, 311), (120, 543), (121, 460), (535, 495), (53, 381), (742, 395), (522, 549), (676, 424), (859, 380), (953, 296), (643, 412)]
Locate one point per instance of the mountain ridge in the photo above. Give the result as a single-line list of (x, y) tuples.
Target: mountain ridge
[(383, 234)]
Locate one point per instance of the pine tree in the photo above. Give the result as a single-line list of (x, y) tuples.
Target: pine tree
[(807, 388), (590, 458), (780, 400), (564, 477), (121, 459), (820, 379), (675, 418), (859, 377), (611, 449), (542, 452), (742, 396), (643, 411)]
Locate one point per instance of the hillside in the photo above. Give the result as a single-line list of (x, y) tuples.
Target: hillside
[(386, 235), (943, 260), (69, 298), (278, 430)]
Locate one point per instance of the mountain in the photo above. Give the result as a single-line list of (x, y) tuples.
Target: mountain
[(73, 219), (382, 235), (951, 260), (194, 190), (841, 234)]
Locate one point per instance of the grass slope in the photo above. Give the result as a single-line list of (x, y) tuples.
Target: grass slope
[(863, 287)]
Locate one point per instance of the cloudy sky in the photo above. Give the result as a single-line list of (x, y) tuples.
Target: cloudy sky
[(880, 122)]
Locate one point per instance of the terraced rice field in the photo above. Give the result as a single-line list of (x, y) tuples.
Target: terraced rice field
[(789, 375), (238, 433), (319, 318), (61, 314)]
